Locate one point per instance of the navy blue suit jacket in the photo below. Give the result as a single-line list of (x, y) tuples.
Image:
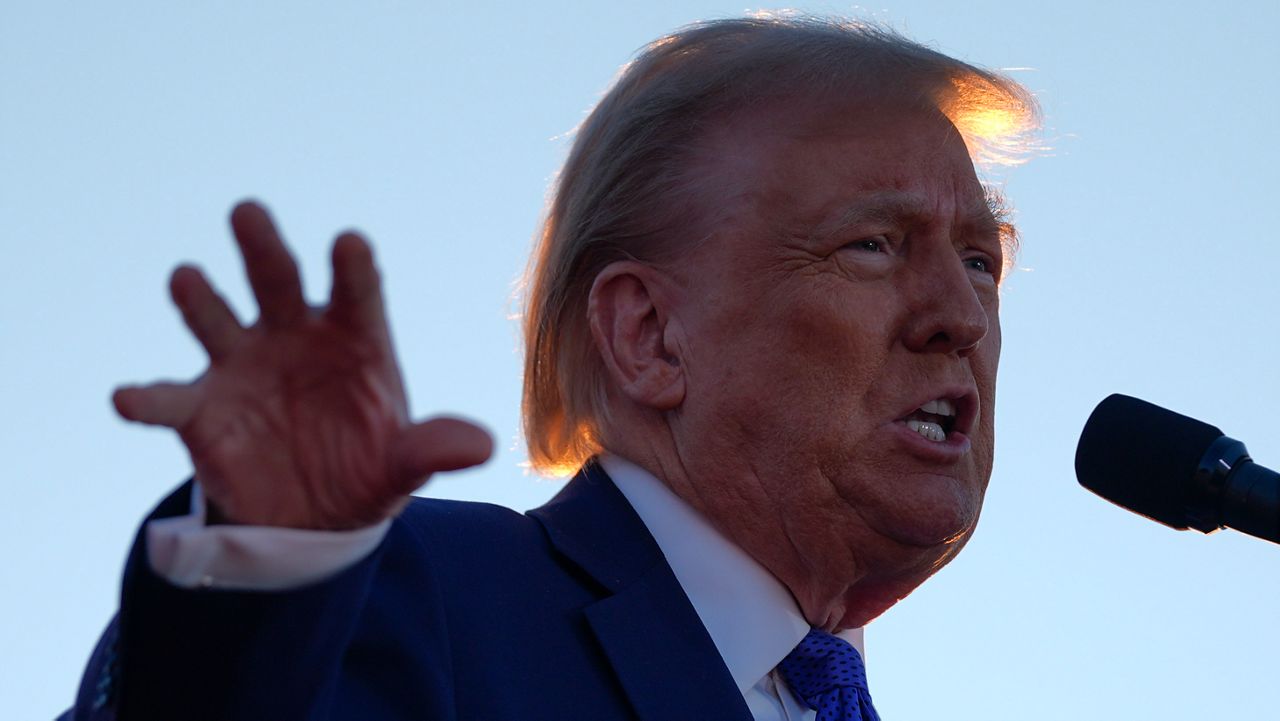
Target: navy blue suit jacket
[(466, 611)]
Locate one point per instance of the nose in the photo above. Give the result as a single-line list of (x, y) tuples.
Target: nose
[(946, 314)]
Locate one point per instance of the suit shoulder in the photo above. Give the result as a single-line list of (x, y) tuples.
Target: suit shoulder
[(460, 513), (464, 524), (475, 554)]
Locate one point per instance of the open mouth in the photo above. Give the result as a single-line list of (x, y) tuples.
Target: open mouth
[(934, 420)]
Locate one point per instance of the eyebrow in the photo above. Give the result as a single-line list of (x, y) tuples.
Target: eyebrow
[(1000, 213), (884, 206), (996, 204), (990, 214)]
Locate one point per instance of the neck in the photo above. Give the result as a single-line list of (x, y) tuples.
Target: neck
[(830, 590)]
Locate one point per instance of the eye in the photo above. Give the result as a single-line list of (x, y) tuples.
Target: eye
[(874, 244), (982, 264)]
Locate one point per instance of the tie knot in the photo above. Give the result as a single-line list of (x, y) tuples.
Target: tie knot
[(823, 662)]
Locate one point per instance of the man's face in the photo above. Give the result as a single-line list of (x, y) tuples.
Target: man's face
[(842, 336)]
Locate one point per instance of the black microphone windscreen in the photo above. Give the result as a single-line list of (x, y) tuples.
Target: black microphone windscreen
[(1142, 457)]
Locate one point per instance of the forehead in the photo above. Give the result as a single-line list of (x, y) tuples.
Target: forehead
[(808, 158)]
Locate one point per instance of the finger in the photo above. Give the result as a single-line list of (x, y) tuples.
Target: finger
[(158, 404), (205, 312), (272, 272), (440, 444), (356, 298)]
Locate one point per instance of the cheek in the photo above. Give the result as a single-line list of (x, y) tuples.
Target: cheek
[(817, 391), (985, 364), (821, 348), (793, 362)]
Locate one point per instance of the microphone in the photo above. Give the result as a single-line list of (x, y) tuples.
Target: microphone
[(1176, 470)]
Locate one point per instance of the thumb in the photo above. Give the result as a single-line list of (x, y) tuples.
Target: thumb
[(439, 444)]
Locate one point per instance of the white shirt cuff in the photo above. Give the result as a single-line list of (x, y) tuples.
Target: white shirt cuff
[(189, 554)]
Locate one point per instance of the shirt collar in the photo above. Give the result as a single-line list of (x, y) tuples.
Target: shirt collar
[(751, 617)]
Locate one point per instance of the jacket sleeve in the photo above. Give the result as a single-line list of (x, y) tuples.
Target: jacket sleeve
[(190, 654)]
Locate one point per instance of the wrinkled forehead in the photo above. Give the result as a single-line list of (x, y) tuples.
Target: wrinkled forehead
[(805, 146), (829, 168)]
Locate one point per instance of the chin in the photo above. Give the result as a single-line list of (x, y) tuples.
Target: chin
[(939, 531), (938, 521)]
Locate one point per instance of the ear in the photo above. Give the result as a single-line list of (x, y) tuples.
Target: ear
[(632, 331)]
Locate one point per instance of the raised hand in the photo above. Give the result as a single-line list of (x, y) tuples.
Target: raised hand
[(300, 420)]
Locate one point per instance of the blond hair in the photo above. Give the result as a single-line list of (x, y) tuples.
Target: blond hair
[(626, 190)]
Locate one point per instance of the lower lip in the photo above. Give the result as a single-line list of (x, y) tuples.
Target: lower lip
[(953, 449)]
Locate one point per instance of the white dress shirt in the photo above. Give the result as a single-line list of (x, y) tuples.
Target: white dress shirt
[(189, 554), (751, 617)]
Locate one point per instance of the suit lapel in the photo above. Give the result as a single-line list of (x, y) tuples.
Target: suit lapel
[(661, 653)]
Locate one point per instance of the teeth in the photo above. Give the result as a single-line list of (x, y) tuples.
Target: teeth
[(939, 407), (929, 430)]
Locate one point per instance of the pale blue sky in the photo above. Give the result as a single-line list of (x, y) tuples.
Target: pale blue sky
[(128, 130)]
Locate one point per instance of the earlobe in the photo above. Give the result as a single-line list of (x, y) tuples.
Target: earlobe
[(632, 332)]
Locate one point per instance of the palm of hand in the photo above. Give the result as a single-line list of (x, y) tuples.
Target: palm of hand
[(301, 420), (295, 431)]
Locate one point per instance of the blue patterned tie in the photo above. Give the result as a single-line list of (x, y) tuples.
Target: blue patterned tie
[(827, 673)]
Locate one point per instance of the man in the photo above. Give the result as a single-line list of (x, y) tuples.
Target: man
[(762, 321)]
